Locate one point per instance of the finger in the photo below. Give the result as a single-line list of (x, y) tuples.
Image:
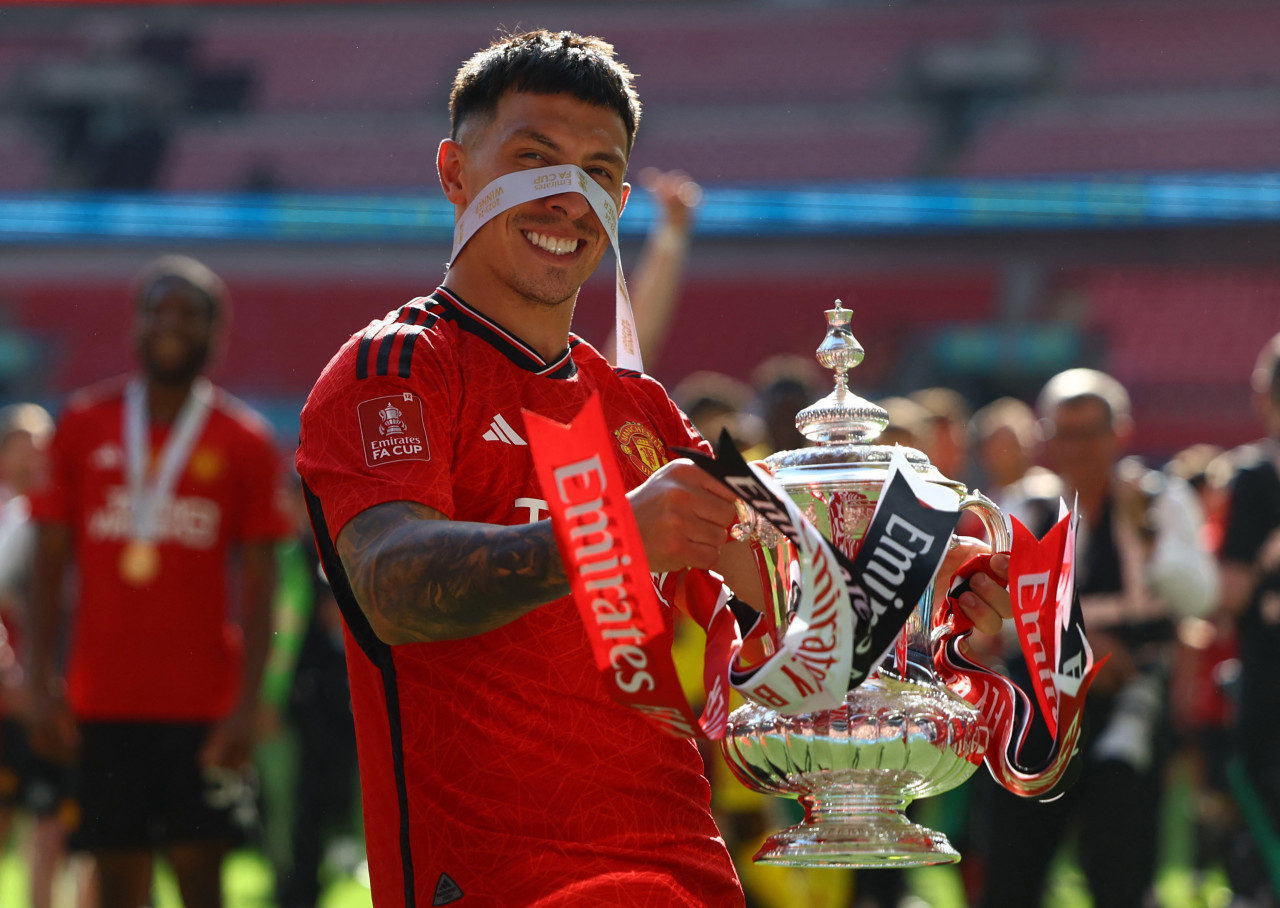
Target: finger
[(999, 565), (718, 515), (971, 545), (690, 472), (992, 594), (703, 557), (984, 618)]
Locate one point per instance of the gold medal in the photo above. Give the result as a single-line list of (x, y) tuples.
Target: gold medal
[(140, 562)]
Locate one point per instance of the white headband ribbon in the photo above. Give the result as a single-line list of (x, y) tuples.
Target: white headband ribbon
[(522, 186)]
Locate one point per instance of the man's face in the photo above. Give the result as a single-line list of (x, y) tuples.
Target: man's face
[(1083, 445), (22, 461), (173, 332), (545, 249), (1002, 455)]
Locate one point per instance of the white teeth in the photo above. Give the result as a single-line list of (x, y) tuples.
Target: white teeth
[(554, 245)]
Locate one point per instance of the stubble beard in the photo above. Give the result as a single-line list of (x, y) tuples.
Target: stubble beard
[(548, 295)]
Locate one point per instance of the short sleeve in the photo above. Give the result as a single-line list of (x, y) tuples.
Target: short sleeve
[(369, 440), (264, 515)]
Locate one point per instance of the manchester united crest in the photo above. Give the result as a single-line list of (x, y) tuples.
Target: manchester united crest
[(641, 446)]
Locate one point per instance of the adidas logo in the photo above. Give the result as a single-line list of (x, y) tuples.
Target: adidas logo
[(500, 430), (446, 890)]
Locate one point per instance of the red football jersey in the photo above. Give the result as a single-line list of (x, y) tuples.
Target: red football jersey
[(169, 650), (496, 768)]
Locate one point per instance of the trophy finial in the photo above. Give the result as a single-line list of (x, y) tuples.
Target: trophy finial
[(841, 416)]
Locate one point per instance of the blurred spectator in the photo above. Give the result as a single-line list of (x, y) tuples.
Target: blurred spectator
[(157, 480), (784, 385), (714, 401), (659, 272), (1204, 658), (1208, 470), (1250, 558), (908, 423), (306, 680), (1004, 438), (1139, 568), (944, 436), (655, 281), (28, 783)]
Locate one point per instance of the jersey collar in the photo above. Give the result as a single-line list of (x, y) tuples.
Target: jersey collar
[(513, 348)]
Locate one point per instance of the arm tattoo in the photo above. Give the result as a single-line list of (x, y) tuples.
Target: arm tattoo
[(420, 576)]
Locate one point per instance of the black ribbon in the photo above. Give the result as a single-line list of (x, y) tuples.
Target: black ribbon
[(898, 556)]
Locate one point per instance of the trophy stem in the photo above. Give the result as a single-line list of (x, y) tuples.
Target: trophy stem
[(853, 828)]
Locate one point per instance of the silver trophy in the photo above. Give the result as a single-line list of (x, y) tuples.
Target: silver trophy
[(899, 735)]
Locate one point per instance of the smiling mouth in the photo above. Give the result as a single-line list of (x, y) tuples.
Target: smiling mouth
[(552, 244)]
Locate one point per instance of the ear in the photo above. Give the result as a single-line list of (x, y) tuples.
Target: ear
[(626, 194), (449, 165)]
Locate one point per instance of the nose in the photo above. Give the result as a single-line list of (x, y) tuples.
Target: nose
[(572, 205)]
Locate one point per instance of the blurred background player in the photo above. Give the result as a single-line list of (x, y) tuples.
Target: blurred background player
[(157, 480)]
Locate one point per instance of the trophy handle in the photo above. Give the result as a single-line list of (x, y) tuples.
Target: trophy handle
[(994, 519)]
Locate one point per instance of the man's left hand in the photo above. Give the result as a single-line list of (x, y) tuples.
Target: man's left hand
[(987, 602)]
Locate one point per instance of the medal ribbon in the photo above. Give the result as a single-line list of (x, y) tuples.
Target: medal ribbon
[(522, 186), (146, 500), (1046, 611)]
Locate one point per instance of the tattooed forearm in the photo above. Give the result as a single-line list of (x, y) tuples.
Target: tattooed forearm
[(419, 576)]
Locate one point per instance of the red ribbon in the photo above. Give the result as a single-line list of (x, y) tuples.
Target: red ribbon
[(629, 627), (1050, 627)]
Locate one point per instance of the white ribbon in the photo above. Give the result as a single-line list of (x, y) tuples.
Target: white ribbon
[(147, 500), (810, 669), (522, 186)]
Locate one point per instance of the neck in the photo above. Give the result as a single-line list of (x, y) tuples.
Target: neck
[(164, 400), (543, 326)]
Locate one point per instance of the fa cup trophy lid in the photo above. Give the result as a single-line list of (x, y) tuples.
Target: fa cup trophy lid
[(843, 426)]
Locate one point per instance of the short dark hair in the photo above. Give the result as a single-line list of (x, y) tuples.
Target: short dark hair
[(184, 270), (545, 63)]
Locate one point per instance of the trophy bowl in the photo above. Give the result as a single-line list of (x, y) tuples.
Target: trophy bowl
[(899, 735)]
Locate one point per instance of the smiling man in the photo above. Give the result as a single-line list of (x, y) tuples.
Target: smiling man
[(496, 769)]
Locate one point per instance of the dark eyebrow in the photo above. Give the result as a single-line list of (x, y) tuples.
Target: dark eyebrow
[(529, 134)]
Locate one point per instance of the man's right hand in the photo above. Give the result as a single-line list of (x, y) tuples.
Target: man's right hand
[(684, 515), (52, 728)]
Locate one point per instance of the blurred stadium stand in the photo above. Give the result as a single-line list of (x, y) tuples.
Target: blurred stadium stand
[(292, 98)]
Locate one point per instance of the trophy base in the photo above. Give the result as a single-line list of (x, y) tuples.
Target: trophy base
[(856, 831)]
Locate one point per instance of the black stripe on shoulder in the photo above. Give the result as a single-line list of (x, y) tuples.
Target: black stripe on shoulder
[(418, 314), (362, 355), (404, 367), (379, 654), (385, 336)]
